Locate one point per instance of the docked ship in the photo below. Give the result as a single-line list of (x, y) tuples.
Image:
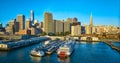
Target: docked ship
[(53, 47), (39, 52), (47, 48), (66, 49)]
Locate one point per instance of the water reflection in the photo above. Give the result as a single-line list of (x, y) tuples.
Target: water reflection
[(48, 59), (89, 43), (64, 60), (83, 42), (37, 59), (85, 52), (94, 43), (3, 53)]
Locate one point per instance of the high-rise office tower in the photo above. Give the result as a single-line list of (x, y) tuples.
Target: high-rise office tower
[(2, 29), (91, 20), (58, 26), (32, 16), (21, 20), (0, 25), (67, 25), (91, 23), (48, 23), (76, 29), (28, 24), (13, 27), (16, 25), (87, 29), (41, 24)]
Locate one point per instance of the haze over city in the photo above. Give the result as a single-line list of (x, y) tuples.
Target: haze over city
[(104, 12)]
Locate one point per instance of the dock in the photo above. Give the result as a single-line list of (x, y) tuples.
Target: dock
[(21, 43)]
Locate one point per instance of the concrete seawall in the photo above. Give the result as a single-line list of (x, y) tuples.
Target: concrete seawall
[(112, 46)]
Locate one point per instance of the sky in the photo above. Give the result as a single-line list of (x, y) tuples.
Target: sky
[(104, 12)]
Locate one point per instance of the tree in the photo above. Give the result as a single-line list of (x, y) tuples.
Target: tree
[(89, 38), (1, 38), (104, 35), (67, 33), (62, 34), (51, 34), (57, 34), (42, 34)]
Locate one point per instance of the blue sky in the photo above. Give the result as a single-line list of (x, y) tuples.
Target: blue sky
[(105, 12)]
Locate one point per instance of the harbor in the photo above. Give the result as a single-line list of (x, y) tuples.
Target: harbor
[(48, 48), (82, 51)]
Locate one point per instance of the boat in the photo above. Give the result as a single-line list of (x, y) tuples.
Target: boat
[(53, 47), (46, 48), (50, 50), (66, 49), (37, 53), (47, 42), (40, 51)]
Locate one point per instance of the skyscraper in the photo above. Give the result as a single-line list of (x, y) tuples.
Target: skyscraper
[(91, 20), (87, 29), (16, 26), (32, 16), (58, 26), (21, 20), (28, 24), (13, 27), (48, 23), (76, 29), (67, 25), (91, 24), (0, 25)]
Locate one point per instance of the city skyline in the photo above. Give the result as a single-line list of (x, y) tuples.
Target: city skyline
[(102, 14)]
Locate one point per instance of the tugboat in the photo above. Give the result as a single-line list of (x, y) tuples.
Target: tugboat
[(66, 49)]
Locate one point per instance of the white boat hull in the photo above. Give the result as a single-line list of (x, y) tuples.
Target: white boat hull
[(39, 53)]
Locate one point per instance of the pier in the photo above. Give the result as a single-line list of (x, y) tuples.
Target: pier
[(112, 46), (21, 43)]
